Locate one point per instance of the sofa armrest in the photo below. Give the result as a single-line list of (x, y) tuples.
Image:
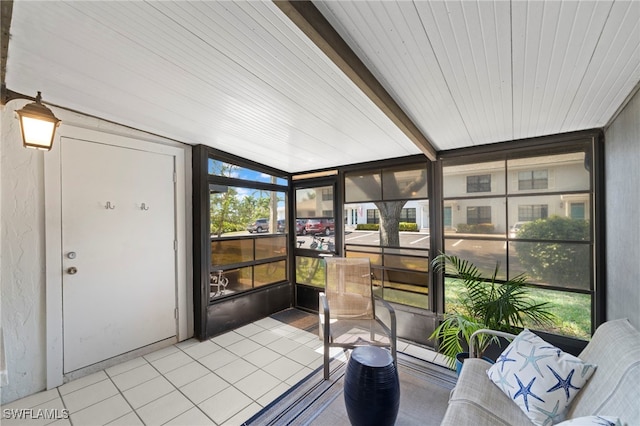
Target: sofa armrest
[(476, 401), (495, 333)]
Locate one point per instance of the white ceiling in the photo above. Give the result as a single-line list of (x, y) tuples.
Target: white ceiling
[(241, 77)]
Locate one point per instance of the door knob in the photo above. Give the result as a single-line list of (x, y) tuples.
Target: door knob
[(72, 271)]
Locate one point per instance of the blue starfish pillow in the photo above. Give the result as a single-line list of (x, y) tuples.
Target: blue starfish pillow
[(540, 378)]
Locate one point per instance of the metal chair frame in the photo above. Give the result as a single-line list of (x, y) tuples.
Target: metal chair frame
[(325, 323)]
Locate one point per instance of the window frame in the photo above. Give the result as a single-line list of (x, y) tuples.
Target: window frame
[(589, 141)]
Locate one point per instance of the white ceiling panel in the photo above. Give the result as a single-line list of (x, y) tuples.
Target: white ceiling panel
[(240, 76), (477, 72)]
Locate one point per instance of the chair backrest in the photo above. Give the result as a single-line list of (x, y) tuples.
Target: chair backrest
[(348, 288)]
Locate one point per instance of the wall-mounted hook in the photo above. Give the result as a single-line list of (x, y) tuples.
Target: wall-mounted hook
[(109, 206), (143, 206)]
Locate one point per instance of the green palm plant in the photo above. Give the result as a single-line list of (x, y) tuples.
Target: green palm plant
[(486, 303)]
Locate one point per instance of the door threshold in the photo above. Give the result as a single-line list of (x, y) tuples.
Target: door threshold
[(127, 356)]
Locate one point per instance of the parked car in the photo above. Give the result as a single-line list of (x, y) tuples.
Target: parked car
[(319, 226), (260, 225), (513, 231), (281, 226), (300, 225)]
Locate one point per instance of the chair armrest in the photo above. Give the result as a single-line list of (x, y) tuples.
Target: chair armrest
[(392, 312), (324, 311), (391, 329), (495, 333)]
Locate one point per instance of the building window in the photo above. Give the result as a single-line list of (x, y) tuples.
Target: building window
[(479, 183), (393, 201), (373, 216), (532, 212), (533, 179), (327, 195), (537, 222), (408, 215), (577, 211), (478, 214)]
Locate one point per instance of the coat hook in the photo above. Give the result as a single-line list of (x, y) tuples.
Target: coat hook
[(109, 206), (143, 206)]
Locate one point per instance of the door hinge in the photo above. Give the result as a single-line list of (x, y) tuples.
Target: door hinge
[(175, 245), (175, 177), (175, 313)]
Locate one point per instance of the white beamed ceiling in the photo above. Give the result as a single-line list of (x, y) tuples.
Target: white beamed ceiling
[(477, 72), (241, 77)]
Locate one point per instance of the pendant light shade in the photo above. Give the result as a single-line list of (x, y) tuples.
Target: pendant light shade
[(37, 125)]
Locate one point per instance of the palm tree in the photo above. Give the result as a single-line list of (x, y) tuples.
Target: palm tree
[(486, 303)]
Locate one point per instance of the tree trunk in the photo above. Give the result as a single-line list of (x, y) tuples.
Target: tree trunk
[(390, 222)]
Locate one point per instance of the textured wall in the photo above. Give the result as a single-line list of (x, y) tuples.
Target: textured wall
[(22, 259), (22, 247), (622, 162)]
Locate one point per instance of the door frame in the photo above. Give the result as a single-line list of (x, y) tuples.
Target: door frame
[(53, 235)]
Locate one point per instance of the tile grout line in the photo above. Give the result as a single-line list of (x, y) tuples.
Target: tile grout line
[(125, 400)]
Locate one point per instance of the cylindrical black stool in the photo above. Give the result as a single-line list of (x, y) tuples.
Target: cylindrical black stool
[(371, 387)]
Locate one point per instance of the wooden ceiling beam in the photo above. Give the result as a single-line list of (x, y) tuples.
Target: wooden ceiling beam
[(309, 19)]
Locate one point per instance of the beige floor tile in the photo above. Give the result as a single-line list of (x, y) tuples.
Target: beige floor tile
[(244, 415), (161, 353), (187, 343), (283, 368), (305, 356), (126, 366), (130, 419), (61, 422), (257, 384), (301, 374), (218, 359), (201, 349), (225, 405), (274, 393), (148, 391), (236, 370), (35, 416), (283, 345), (164, 408), (103, 412), (187, 373), (227, 339), (268, 323), (193, 417), (204, 388), (265, 337), (89, 395), (262, 357), (243, 347), (249, 330), (33, 400), (171, 362), (82, 382), (135, 377)]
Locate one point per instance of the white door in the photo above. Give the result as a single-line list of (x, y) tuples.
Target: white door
[(119, 261)]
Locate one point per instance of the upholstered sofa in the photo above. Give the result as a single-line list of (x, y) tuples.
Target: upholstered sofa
[(612, 390)]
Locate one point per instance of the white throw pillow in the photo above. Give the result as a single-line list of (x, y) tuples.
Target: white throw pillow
[(540, 378), (592, 421)]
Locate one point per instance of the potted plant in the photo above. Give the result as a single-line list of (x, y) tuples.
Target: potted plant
[(485, 303)]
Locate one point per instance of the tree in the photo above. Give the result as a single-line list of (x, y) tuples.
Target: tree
[(558, 263), (390, 211)]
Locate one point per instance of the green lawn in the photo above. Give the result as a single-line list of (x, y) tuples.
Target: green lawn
[(572, 311)]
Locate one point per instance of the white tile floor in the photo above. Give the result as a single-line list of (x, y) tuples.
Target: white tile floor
[(222, 381)]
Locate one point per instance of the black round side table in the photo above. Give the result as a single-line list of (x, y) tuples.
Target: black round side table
[(371, 387)]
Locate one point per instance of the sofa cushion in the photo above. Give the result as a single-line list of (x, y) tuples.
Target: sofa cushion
[(592, 421), (540, 378), (476, 402), (613, 389)]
